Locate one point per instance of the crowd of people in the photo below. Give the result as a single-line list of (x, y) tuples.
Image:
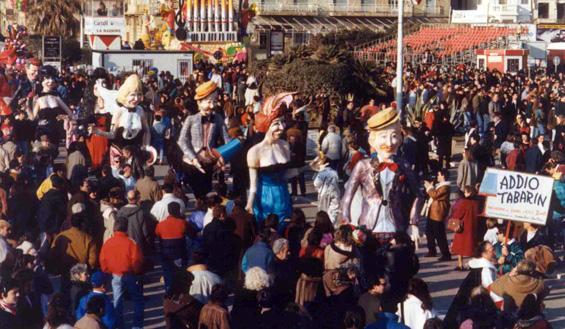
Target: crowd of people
[(94, 219)]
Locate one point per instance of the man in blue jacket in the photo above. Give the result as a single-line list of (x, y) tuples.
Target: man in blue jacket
[(109, 319)]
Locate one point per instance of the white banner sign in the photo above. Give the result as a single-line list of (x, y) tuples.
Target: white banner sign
[(517, 196), (468, 17), (104, 25)]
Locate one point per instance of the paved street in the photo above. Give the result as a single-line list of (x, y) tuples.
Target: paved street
[(442, 280)]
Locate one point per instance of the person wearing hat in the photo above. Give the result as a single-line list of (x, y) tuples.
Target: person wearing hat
[(198, 137), (387, 206), (268, 162), (98, 281)]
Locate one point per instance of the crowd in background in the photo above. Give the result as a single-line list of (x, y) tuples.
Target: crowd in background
[(71, 216)]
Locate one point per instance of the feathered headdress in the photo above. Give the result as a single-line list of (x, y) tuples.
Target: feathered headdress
[(272, 109)]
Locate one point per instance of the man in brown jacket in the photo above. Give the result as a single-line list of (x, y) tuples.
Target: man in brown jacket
[(438, 211), (516, 285), (149, 189), (71, 247)]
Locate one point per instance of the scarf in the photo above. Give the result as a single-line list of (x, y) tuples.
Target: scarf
[(8, 308)]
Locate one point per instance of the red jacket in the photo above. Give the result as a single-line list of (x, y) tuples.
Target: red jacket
[(121, 255)]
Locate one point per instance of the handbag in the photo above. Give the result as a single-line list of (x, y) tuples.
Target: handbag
[(455, 225)]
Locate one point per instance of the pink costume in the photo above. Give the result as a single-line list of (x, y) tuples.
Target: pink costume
[(388, 207)]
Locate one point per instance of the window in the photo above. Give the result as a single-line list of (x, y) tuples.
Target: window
[(501, 2), (543, 10), (141, 65), (301, 38), (184, 68), (512, 65), (525, 2), (263, 40), (561, 11)]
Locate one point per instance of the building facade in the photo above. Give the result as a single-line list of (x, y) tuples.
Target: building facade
[(492, 11), (281, 24)]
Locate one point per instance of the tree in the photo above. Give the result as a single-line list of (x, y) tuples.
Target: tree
[(54, 17)]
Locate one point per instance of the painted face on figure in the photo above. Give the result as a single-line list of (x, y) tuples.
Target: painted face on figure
[(276, 129), (49, 83), (132, 99), (386, 141), (32, 72), (206, 105)]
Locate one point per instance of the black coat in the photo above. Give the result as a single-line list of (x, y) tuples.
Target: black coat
[(458, 306), (538, 239), (222, 246), (52, 211), (9, 321)]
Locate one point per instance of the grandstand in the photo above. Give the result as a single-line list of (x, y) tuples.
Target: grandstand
[(447, 44)]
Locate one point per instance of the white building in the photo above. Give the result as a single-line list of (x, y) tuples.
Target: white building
[(492, 11)]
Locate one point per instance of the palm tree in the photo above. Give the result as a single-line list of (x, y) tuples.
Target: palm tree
[(54, 17)]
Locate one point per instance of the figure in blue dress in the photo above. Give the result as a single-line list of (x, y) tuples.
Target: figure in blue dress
[(268, 162)]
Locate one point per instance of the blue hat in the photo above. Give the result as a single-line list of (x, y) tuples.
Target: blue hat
[(98, 279)]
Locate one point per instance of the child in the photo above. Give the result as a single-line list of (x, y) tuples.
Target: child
[(492, 231), (158, 131), (98, 289), (326, 183)]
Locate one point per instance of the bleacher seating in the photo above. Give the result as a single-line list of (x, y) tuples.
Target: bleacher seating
[(442, 41)]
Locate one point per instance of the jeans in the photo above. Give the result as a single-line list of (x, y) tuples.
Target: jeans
[(133, 285), (170, 266), (482, 122)]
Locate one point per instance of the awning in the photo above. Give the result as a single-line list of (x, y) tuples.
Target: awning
[(316, 24)]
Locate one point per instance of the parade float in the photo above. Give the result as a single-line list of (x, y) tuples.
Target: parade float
[(185, 31)]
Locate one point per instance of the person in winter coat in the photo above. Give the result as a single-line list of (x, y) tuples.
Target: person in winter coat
[(73, 246), (180, 308), (98, 280), (221, 243), (108, 210), (139, 223), (297, 159), (331, 147), (326, 183), (80, 284), (515, 286), (530, 315), (95, 311), (9, 296), (467, 172), (171, 233), (466, 210), (259, 254), (437, 213), (52, 212), (508, 253)]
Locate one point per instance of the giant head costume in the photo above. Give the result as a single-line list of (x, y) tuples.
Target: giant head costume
[(206, 95), (385, 136)]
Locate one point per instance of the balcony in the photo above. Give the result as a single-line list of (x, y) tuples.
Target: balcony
[(363, 9), (281, 8), (338, 8)]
